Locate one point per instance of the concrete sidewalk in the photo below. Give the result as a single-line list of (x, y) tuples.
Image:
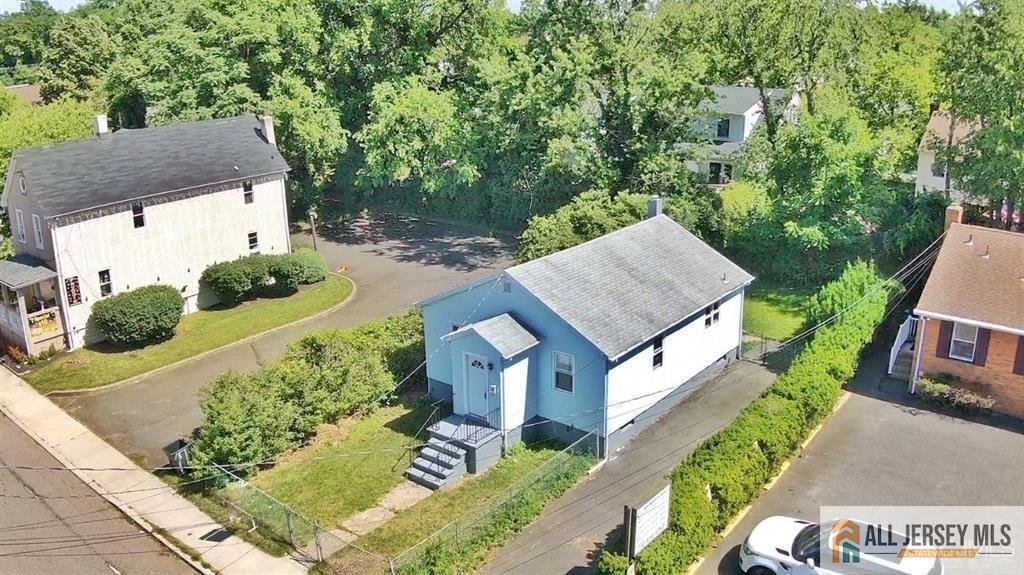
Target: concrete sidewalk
[(568, 535), (136, 492)]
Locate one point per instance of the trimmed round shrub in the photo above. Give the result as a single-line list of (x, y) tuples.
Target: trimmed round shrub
[(286, 271), (231, 281), (310, 264), (145, 314)]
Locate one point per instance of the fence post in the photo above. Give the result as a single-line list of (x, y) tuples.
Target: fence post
[(291, 529), (319, 547)]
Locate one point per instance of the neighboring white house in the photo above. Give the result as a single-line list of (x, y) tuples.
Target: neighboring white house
[(932, 174), (120, 210), (593, 342), (731, 119)]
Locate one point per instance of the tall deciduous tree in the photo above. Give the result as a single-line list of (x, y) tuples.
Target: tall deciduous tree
[(78, 53), (982, 77)]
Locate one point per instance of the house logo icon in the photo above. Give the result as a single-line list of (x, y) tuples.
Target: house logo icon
[(846, 540)]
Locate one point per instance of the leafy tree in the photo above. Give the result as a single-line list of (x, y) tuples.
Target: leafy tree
[(23, 33), (989, 35), (78, 52)]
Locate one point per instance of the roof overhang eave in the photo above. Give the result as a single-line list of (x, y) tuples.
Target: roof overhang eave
[(984, 324)]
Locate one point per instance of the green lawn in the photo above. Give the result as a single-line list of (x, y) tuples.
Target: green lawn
[(410, 526), (198, 332), (773, 311), (327, 483)]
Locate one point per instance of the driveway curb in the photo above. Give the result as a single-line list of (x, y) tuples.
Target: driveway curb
[(180, 362), (771, 483)]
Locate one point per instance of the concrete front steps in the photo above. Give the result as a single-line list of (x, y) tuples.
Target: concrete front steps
[(904, 363), (450, 452)]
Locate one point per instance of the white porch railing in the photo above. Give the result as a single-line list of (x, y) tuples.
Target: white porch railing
[(905, 333)]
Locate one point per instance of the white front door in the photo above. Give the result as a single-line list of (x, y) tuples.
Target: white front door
[(477, 391)]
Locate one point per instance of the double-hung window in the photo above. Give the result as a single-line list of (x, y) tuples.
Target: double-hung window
[(106, 286), (247, 191), (938, 168), (658, 351), (37, 228), (138, 215), (711, 314), (254, 242), (565, 371), (19, 221), (965, 338)]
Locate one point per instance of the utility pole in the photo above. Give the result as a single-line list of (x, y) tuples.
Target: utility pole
[(312, 225)]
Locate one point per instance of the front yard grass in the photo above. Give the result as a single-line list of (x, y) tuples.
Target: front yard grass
[(774, 311), (410, 526), (198, 332), (345, 470)]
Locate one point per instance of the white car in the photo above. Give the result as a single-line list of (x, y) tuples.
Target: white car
[(786, 546)]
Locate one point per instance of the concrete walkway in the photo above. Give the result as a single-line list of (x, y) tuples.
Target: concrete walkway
[(133, 490), (567, 537)]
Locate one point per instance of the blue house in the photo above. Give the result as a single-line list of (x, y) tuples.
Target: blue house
[(596, 339)]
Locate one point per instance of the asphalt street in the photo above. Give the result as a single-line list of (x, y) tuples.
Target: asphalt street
[(52, 522)]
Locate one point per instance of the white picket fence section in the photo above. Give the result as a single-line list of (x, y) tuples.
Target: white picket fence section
[(905, 333)]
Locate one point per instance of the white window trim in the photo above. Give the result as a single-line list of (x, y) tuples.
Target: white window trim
[(555, 372), (19, 221), (22, 185), (110, 276), (974, 344), (248, 242), (37, 230), (655, 350)]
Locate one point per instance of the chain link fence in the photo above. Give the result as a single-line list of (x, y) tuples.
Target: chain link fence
[(461, 531)]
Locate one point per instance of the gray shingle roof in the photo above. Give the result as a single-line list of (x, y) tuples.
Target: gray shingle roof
[(739, 99), (22, 270), (503, 332), (622, 289), (131, 164)]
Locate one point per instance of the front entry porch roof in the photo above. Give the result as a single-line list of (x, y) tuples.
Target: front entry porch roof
[(24, 270), (502, 332)]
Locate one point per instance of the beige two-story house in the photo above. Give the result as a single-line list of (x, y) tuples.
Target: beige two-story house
[(119, 210)]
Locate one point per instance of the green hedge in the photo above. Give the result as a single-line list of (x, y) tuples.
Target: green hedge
[(149, 313), (252, 275), (736, 463), (324, 375)]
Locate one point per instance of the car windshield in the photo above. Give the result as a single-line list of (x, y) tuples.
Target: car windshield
[(806, 544)]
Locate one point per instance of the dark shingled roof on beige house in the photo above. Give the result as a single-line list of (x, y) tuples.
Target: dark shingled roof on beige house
[(978, 277)]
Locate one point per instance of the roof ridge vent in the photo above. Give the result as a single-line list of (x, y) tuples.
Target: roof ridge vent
[(725, 280), (970, 240), (986, 255)]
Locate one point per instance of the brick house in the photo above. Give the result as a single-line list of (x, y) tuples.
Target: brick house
[(970, 318)]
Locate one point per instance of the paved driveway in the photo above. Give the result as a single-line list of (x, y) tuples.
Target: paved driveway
[(881, 448), (568, 535), (51, 522), (394, 261)]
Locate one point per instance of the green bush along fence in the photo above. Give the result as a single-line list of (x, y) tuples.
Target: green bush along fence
[(728, 470)]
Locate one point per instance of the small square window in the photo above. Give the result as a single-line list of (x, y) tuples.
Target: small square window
[(711, 314), (73, 290), (247, 191), (254, 242), (658, 351), (938, 169), (106, 286), (138, 215)]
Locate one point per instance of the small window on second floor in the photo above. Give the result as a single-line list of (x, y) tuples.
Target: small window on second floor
[(19, 222), (658, 351), (247, 191), (711, 315), (565, 371), (106, 286), (938, 168), (37, 229), (254, 242), (138, 215), (723, 128)]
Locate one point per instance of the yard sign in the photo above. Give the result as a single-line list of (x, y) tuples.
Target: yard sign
[(646, 522)]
